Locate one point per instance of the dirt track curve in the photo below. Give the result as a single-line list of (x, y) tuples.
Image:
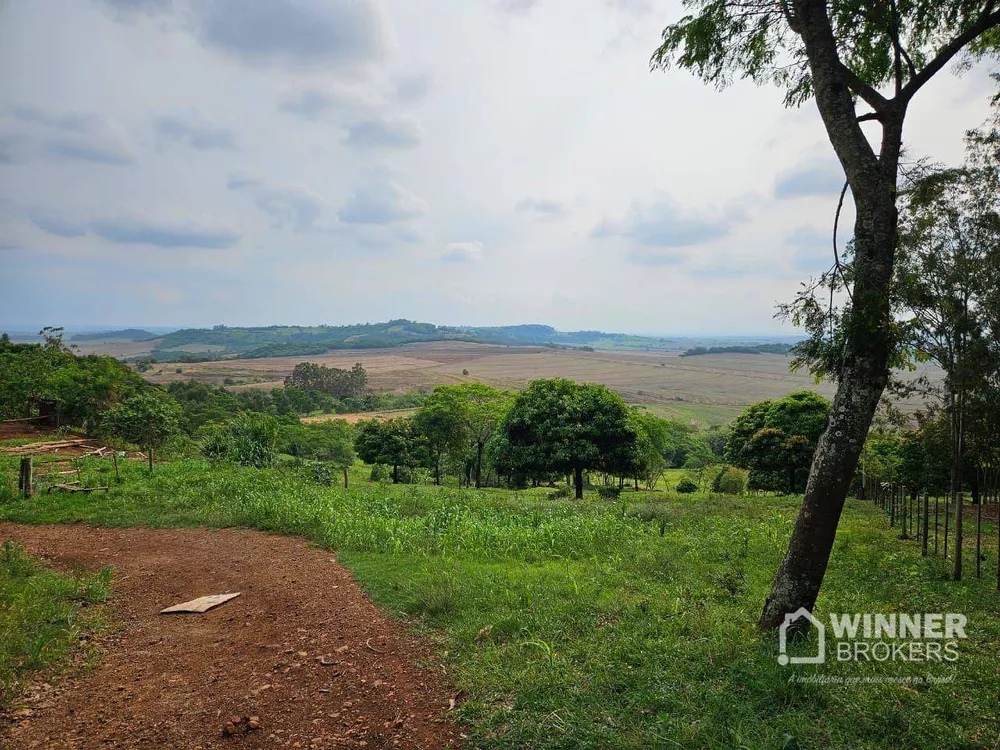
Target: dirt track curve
[(302, 648)]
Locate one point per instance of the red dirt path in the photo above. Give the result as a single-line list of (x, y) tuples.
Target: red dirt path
[(302, 648)]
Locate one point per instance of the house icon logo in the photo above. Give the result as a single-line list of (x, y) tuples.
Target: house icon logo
[(783, 657)]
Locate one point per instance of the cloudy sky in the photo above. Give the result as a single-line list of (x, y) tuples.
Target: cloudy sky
[(193, 162)]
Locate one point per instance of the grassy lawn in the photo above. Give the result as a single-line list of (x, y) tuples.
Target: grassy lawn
[(43, 615), (600, 624)]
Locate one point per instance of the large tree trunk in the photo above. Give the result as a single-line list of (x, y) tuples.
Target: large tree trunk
[(862, 379), (578, 482), (864, 366)]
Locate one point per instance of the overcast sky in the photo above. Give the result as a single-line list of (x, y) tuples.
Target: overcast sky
[(193, 162)]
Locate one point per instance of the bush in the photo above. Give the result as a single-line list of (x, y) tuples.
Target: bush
[(609, 492), (730, 481), (686, 486), (249, 439), (319, 472), (561, 493), (380, 473)]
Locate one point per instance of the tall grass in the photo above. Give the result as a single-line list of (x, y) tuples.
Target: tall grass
[(41, 618)]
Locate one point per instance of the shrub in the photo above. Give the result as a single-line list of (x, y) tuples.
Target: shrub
[(609, 492), (321, 473), (380, 473), (249, 439), (561, 493), (730, 481), (686, 486)]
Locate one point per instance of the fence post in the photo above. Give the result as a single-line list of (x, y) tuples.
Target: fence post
[(979, 537), (24, 483), (927, 500)]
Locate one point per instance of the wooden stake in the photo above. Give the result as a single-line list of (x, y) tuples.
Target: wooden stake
[(947, 522), (979, 537), (24, 480), (927, 500), (937, 501)]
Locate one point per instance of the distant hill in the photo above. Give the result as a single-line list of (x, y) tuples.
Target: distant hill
[(751, 349), (224, 342), (128, 334)]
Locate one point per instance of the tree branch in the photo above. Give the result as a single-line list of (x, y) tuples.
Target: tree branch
[(987, 20), (871, 97), (836, 254)]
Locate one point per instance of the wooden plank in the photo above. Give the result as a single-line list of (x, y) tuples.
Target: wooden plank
[(201, 604)]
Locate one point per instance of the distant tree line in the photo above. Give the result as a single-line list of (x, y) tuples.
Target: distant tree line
[(554, 431), (334, 381), (739, 349)]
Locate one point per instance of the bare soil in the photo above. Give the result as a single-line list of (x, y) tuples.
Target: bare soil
[(302, 648)]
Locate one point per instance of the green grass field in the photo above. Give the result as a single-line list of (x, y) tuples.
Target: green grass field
[(44, 616), (600, 624)]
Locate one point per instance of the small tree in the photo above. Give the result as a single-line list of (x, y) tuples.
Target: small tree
[(390, 442), (147, 419), (443, 427), (559, 426), (331, 442)]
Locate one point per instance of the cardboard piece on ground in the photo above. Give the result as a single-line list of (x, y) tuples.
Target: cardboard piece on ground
[(201, 604)]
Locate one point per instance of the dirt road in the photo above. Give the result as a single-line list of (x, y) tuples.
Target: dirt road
[(302, 648)]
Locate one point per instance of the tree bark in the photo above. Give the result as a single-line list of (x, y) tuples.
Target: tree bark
[(345, 479), (578, 481), (864, 366)]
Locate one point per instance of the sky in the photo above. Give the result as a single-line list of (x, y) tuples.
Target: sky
[(474, 162)]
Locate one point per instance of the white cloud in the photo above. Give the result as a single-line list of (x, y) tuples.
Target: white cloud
[(342, 140), (381, 200), (463, 252)]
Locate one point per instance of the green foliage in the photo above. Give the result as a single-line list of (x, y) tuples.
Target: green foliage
[(776, 440), (391, 442), (147, 419), (740, 349), (725, 40), (310, 376), (83, 386), (686, 486), (41, 620), (730, 481), (609, 491), (465, 418), (442, 424), (560, 426), (329, 443), (249, 439)]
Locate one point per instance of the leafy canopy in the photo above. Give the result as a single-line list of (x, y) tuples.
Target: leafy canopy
[(725, 40)]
